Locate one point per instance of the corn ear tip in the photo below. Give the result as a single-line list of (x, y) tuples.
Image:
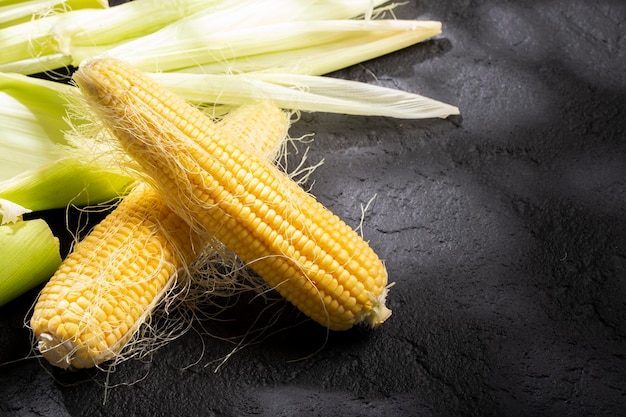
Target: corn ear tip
[(379, 313), (55, 351)]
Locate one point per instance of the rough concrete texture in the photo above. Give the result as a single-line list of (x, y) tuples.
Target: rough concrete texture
[(503, 229)]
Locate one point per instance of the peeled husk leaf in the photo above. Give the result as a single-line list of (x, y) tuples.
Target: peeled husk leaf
[(30, 255)]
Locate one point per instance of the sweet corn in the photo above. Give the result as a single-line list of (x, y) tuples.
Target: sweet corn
[(306, 253), (108, 286), (103, 290)]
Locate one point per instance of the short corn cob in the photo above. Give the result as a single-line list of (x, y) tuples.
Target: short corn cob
[(89, 310), (300, 248), (110, 283)]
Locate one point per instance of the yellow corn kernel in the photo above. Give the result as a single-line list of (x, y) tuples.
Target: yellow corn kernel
[(107, 287), (292, 241)]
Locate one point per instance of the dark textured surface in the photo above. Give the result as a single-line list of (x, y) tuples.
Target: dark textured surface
[(503, 229)]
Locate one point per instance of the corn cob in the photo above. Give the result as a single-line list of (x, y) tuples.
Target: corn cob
[(108, 286), (301, 249)]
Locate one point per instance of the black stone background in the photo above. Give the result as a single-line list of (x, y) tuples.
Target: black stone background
[(503, 229)]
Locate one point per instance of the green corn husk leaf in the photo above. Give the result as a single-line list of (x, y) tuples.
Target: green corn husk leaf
[(304, 92), (319, 59), (37, 169), (39, 64), (32, 115), (12, 13), (24, 41), (30, 255), (29, 252), (44, 44), (184, 44), (28, 38), (101, 27), (215, 17), (64, 39), (63, 182)]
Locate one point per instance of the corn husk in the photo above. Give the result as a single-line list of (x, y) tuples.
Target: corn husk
[(29, 253)]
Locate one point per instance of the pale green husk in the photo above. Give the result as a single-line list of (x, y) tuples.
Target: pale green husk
[(304, 92), (37, 166), (64, 182), (14, 12), (368, 43), (30, 255), (32, 115), (68, 37), (45, 44), (247, 28)]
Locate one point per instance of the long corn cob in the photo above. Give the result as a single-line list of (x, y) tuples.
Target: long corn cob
[(300, 248), (108, 286)]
